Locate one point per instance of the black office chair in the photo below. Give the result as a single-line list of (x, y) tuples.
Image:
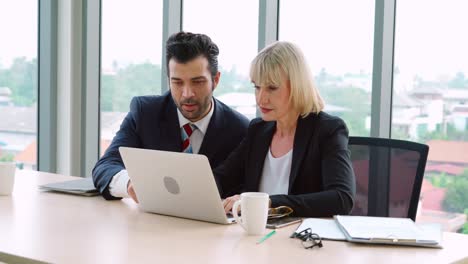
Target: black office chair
[(389, 176)]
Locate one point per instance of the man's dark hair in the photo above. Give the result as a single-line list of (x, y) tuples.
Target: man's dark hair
[(185, 46)]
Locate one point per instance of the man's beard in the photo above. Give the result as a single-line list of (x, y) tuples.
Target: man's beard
[(202, 107)]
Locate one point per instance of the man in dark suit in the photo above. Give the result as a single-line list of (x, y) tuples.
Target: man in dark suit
[(188, 119)]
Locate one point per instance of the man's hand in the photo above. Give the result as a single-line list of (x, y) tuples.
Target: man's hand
[(229, 202), (131, 191)]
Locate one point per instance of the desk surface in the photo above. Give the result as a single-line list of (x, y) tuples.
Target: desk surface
[(61, 228)]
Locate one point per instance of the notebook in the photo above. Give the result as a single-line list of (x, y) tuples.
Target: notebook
[(375, 230), (83, 187)]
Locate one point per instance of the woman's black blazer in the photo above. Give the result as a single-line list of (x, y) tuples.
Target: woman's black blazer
[(321, 182)]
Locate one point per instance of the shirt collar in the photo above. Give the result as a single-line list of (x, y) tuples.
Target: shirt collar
[(201, 124)]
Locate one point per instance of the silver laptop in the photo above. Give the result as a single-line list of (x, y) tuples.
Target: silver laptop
[(175, 184)]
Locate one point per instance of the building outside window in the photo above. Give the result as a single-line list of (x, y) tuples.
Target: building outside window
[(18, 82)]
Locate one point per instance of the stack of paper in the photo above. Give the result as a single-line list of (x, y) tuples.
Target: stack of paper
[(83, 186)]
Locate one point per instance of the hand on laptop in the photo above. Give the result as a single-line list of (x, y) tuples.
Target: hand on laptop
[(131, 191), (229, 202)]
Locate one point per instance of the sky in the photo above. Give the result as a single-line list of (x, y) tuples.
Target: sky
[(18, 30), (431, 37), (131, 31)]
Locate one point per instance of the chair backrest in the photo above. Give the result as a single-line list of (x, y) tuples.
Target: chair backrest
[(389, 176)]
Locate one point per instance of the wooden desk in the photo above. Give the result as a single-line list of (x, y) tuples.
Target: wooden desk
[(61, 228)]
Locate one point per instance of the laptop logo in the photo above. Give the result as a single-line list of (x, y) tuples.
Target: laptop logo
[(171, 185)]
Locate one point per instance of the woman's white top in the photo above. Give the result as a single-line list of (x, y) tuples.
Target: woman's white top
[(275, 174)]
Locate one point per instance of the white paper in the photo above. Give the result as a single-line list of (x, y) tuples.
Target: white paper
[(325, 228)]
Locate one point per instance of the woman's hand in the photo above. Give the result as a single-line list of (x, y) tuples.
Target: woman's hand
[(229, 202)]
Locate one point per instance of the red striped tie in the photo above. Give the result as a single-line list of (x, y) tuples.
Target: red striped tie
[(186, 133)]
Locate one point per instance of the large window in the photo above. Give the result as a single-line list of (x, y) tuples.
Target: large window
[(337, 39), (130, 60), (18, 82), (430, 102), (234, 28)]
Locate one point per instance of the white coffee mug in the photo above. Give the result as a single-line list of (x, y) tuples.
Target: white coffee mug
[(7, 177), (254, 212)]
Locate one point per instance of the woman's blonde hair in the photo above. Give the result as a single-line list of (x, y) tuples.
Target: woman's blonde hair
[(285, 60)]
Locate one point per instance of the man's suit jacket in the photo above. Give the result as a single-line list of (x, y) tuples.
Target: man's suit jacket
[(152, 123), (321, 181)]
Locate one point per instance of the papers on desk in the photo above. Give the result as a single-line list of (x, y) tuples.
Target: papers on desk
[(375, 230), (326, 228), (83, 187)]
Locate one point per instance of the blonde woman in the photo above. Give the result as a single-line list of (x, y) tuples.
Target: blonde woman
[(295, 152)]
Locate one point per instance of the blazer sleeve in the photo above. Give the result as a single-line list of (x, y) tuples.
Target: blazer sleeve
[(337, 179), (111, 163)]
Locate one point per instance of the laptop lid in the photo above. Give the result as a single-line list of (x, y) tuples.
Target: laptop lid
[(175, 184)]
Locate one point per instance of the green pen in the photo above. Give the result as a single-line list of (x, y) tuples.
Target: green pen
[(266, 236)]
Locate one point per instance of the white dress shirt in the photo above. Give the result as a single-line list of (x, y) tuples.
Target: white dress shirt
[(275, 174), (119, 183)]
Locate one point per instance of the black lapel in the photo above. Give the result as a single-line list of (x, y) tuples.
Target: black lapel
[(262, 142), (212, 139), (169, 127), (302, 137)]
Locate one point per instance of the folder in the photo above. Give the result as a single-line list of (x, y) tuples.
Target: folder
[(389, 230), (375, 230), (84, 187)]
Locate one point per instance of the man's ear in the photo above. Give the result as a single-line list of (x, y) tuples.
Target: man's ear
[(216, 80)]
